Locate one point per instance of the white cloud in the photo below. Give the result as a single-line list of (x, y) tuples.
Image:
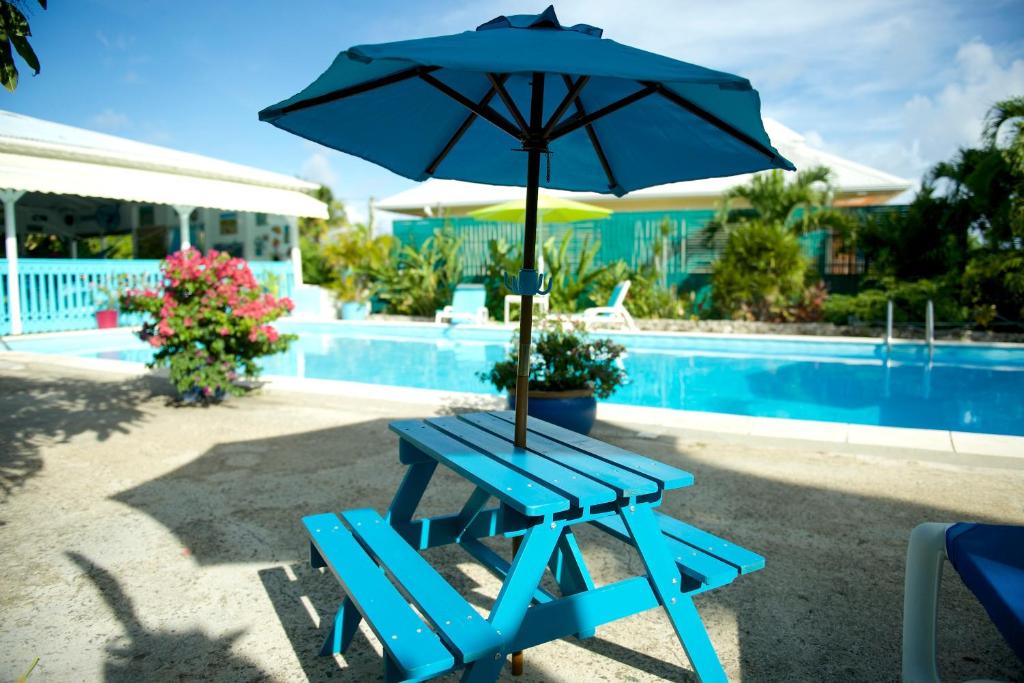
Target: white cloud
[(929, 128), (110, 120), (317, 168)]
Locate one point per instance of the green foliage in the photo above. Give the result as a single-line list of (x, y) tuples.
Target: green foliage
[(502, 258), (14, 33), (563, 359), (571, 282), (419, 281), (760, 273), (803, 205), (993, 286), (352, 257), (647, 297), (909, 302), (314, 233)]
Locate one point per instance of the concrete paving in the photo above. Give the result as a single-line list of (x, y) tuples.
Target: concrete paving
[(143, 541)]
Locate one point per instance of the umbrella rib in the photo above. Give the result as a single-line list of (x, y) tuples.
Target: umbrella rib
[(571, 96), (613, 184), (679, 100), (578, 122), (510, 104), (357, 89), (484, 112), (460, 131)]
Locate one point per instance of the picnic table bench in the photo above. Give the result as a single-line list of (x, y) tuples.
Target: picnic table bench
[(562, 479)]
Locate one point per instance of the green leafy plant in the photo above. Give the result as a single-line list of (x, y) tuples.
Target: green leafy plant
[(993, 287), (760, 273), (419, 281), (909, 302), (14, 33), (563, 358), (571, 280), (209, 321), (502, 258), (648, 297), (353, 256)]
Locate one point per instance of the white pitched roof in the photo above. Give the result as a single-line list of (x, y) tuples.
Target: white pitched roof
[(850, 178), (43, 156)]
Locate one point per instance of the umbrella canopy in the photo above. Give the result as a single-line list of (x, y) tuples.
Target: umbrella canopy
[(550, 209), (486, 105), (615, 118)]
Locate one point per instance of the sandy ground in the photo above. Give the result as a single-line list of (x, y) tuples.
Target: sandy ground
[(140, 541)]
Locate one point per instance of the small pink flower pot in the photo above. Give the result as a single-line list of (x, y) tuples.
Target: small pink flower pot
[(106, 319)]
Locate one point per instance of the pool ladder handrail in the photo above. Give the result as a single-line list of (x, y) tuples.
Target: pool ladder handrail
[(929, 327)]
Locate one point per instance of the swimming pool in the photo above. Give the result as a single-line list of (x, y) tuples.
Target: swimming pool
[(972, 388)]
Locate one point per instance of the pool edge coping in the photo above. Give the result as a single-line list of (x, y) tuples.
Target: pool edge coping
[(937, 440)]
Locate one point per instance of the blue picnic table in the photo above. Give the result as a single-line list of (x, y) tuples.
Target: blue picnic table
[(561, 480)]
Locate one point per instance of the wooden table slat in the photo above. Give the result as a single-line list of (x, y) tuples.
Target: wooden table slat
[(667, 476), (515, 489), (626, 482), (583, 490)]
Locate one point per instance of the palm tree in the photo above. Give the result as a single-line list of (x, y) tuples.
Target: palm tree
[(802, 205), (1003, 112)]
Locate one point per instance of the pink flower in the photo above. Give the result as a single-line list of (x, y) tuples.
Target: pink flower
[(187, 322), (224, 331), (156, 340)]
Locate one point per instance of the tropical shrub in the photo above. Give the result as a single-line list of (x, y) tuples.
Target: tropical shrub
[(646, 298), (760, 273), (572, 281), (419, 281), (353, 256), (909, 302), (993, 286), (209, 321), (563, 358)]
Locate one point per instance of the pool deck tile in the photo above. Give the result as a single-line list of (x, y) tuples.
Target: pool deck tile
[(988, 444), (900, 437)]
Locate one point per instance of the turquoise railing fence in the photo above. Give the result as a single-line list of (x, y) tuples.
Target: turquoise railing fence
[(58, 295)]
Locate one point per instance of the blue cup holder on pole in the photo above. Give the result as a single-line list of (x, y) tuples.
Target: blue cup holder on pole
[(528, 283)]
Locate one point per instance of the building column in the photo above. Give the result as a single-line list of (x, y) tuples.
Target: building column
[(247, 229), (183, 213), (10, 198), (294, 251)]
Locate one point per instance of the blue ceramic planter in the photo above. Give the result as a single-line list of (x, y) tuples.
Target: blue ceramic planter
[(565, 409), (353, 310)]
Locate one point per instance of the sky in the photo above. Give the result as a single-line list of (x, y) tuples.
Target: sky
[(895, 84)]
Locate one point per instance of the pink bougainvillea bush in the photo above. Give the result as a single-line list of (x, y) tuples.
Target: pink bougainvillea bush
[(209, 321)]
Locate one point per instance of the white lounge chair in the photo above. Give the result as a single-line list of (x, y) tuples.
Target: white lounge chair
[(467, 306), (614, 313)]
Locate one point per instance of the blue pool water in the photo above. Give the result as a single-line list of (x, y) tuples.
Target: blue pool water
[(972, 388)]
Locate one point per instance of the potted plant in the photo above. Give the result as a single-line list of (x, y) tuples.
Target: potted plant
[(209, 321), (107, 300), (353, 255), (569, 371)]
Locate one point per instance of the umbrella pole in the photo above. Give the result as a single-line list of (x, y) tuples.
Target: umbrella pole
[(535, 147), (526, 309)]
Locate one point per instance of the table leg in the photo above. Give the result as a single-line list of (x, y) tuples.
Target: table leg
[(517, 656), (664, 576), (570, 571), (410, 492), (516, 593), (346, 620)]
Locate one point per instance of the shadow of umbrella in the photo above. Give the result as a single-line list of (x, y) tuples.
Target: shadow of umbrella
[(147, 655)]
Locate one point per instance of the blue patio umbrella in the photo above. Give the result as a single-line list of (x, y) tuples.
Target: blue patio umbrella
[(490, 105)]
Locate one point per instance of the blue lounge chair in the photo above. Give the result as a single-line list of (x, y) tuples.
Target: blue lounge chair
[(990, 560), (467, 306), (614, 313)]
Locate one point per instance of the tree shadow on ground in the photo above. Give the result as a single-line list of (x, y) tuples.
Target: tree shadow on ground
[(45, 410), (828, 605), (143, 653)]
